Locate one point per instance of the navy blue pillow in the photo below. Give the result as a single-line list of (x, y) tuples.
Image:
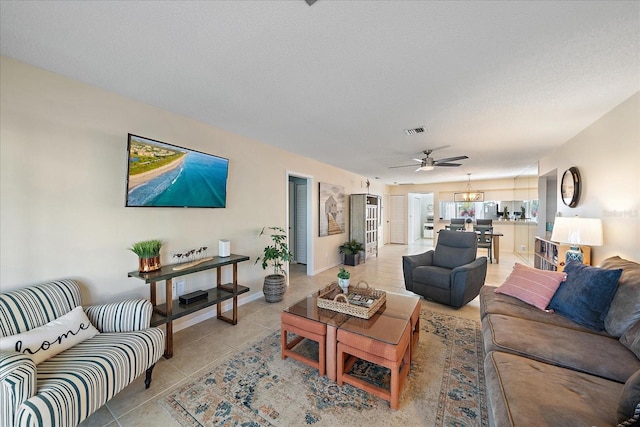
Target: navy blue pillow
[(586, 294)]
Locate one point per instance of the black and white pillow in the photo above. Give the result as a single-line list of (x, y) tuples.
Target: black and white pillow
[(55, 337)]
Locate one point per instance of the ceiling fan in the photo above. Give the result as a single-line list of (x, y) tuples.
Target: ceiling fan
[(429, 163)]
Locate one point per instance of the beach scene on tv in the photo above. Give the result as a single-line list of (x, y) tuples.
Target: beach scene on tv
[(165, 175)]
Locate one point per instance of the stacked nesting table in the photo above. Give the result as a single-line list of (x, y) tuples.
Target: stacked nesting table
[(388, 339)]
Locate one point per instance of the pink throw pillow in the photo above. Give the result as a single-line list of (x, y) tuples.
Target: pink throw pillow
[(533, 286)]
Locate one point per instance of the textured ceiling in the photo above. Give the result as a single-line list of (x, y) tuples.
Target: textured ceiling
[(501, 82)]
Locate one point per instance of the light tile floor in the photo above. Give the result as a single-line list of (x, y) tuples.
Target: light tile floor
[(202, 346)]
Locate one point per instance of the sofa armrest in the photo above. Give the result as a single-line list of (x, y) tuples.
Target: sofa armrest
[(410, 262), (17, 381), (467, 280), (124, 316)]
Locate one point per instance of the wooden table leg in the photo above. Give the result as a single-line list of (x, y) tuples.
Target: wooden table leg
[(233, 288), (496, 248), (168, 349), (332, 351), (152, 293)]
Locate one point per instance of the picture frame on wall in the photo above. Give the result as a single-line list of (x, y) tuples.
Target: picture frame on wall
[(332, 209)]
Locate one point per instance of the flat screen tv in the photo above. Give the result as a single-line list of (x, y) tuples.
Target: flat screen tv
[(166, 175)]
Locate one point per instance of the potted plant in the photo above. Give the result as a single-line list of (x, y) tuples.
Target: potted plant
[(277, 254), (343, 279), (148, 252), (351, 251), (522, 212)]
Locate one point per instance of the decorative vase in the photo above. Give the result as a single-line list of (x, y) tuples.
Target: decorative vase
[(149, 264), (344, 285), (275, 286)]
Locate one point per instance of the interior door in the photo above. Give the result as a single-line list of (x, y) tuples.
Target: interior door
[(398, 220), (301, 223), (414, 219)]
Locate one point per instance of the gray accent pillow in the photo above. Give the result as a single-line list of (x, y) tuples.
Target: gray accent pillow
[(624, 310), (631, 339), (629, 404)]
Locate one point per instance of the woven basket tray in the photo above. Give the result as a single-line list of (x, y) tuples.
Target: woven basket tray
[(341, 304)]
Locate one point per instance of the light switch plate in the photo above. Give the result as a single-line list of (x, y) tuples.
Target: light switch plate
[(180, 286)]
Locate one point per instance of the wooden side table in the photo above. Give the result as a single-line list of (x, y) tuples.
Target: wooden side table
[(165, 314)]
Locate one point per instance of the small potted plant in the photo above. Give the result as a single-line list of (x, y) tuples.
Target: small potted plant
[(351, 251), (277, 254), (343, 279), (148, 252), (522, 213)]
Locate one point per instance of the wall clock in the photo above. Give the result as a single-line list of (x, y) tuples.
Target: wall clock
[(570, 187)]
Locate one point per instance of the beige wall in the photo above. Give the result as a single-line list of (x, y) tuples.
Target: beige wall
[(607, 154), (63, 169), (62, 183)]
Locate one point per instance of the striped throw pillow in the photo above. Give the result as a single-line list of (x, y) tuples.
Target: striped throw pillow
[(533, 286)]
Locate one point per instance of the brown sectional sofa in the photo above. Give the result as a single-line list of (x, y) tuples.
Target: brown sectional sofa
[(543, 369)]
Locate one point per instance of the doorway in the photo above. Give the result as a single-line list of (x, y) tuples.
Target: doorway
[(299, 222), (420, 219)]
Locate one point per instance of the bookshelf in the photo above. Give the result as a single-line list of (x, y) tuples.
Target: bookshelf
[(550, 255), (363, 227)]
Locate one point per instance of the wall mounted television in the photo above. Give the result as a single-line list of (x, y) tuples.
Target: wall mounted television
[(166, 175)]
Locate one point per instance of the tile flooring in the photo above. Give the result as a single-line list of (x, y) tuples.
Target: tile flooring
[(199, 347)]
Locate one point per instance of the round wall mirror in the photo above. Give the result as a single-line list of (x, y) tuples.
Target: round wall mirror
[(570, 187)]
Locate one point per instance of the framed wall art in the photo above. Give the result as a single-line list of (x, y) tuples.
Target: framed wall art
[(331, 203)]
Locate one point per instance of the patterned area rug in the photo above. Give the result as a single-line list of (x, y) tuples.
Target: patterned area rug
[(255, 387)]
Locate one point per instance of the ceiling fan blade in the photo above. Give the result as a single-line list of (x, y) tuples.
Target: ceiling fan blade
[(403, 166), (451, 159), (447, 164), (419, 160)]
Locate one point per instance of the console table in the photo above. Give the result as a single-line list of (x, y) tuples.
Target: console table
[(172, 309)]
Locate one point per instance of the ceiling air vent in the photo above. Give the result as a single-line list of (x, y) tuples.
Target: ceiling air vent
[(415, 131)]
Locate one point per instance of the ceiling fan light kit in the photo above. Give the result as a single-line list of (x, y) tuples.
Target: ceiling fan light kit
[(428, 163)]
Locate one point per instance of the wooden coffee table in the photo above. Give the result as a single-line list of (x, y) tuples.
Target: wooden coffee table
[(388, 339)]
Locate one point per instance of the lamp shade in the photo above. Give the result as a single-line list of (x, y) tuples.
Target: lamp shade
[(578, 231)]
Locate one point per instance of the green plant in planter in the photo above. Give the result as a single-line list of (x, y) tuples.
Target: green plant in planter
[(148, 252), (343, 274), (351, 247), (351, 251), (522, 211), (147, 248), (275, 285), (276, 254), (343, 280)]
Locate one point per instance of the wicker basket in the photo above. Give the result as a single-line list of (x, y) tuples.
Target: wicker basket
[(341, 304)]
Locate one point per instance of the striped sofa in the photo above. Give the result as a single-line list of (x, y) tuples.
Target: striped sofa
[(67, 388)]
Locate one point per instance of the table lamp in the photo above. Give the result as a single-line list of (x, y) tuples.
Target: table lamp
[(577, 231)]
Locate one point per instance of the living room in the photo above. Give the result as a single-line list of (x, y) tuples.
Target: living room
[(63, 172)]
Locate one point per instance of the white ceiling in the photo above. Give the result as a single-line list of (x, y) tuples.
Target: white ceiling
[(501, 82)]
